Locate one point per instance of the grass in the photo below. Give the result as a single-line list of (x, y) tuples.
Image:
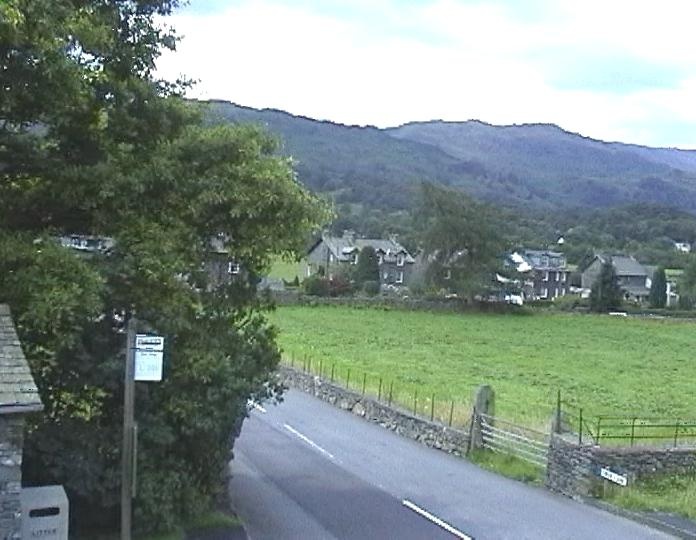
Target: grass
[(601, 363), (675, 494), (286, 270), (509, 466)]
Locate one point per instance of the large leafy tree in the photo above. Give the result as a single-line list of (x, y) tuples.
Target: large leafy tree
[(461, 240), (367, 268), (91, 143), (658, 289), (606, 292)]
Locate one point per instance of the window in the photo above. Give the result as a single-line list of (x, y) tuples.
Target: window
[(558, 276), (380, 259), (448, 274), (544, 293), (544, 261), (399, 277), (563, 291), (546, 276), (232, 268), (385, 276), (564, 275), (400, 259), (355, 258)]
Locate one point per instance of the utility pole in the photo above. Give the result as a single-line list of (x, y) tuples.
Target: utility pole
[(127, 465)]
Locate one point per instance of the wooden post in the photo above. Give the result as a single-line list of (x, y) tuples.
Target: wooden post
[(127, 467), (432, 408)]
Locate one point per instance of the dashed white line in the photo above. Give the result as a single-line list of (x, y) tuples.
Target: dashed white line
[(436, 520), (308, 441)]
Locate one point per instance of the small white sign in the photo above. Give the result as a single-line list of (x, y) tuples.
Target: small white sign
[(144, 342), (148, 365), (613, 477)]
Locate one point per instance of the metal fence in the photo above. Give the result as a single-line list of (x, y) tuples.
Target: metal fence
[(623, 430), (522, 442)]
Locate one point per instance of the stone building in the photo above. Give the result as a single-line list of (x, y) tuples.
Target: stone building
[(18, 397)]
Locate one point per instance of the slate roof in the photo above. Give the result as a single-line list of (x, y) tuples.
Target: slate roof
[(625, 265), (343, 247), (18, 392)]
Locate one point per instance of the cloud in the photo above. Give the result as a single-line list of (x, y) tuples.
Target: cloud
[(604, 69)]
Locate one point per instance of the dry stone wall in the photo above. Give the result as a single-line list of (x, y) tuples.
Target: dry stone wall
[(432, 434), (574, 469), (11, 427)]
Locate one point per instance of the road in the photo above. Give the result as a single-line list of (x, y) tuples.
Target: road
[(305, 469)]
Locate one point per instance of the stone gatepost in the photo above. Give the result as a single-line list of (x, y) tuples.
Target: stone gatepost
[(18, 397), (484, 403)]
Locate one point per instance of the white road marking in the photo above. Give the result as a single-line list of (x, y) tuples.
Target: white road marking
[(308, 441), (256, 406), (436, 520)]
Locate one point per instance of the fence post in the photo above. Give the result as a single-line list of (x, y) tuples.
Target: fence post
[(364, 382), (451, 413), (379, 391), (321, 367), (580, 428), (391, 388), (676, 432), (558, 412), (348, 379), (415, 401), (333, 367), (599, 426), (432, 408), (633, 429)]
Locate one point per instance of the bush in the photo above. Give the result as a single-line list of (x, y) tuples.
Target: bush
[(371, 288), (316, 286), (340, 285), (570, 302)]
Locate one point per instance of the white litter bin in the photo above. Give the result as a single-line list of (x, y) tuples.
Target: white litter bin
[(44, 513)]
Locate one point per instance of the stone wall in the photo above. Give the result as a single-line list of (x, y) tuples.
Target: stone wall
[(11, 434), (433, 434), (574, 469)]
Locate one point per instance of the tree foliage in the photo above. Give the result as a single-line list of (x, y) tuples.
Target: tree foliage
[(658, 289), (606, 292), (367, 268), (91, 143), (460, 240), (687, 285)]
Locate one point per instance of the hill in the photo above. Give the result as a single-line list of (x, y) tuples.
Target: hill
[(537, 166)]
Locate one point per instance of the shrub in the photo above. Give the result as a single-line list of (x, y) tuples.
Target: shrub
[(371, 288), (316, 286)]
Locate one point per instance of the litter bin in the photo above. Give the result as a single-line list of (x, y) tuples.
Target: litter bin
[(44, 513)]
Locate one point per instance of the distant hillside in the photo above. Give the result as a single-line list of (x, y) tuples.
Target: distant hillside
[(536, 166)]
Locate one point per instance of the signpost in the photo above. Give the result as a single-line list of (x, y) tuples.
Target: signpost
[(144, 355)]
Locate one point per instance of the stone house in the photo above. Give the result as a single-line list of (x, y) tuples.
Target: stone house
[(330, 254), (18, 397), (544, 274), (634, 278)]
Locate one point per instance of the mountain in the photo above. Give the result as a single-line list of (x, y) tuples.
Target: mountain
[(537, 166)]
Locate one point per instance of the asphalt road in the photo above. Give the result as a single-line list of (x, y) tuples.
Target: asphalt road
[(305, 470)]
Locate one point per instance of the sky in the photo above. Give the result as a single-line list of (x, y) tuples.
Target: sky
[(616, 70)]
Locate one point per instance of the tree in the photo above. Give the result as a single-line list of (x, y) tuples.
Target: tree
[(367, 268), (91, 143), (461, 239), (658, 289), (606, 293)]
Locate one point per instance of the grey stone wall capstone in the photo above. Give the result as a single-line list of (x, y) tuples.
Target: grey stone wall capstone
[(432, 434), (11, 439)]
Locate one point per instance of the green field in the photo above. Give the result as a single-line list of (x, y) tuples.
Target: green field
[(287, 270), (607, 365)]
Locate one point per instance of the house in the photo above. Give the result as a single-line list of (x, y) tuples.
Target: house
[(329, 254), (683, 247), (544, 274), (18, 397), (634, 278)]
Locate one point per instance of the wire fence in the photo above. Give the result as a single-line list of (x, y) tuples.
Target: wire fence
[(390, 391)]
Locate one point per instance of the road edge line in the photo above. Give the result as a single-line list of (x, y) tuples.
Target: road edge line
[(436, 520)]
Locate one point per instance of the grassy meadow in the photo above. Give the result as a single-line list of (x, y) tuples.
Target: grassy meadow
[(607, 365)]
